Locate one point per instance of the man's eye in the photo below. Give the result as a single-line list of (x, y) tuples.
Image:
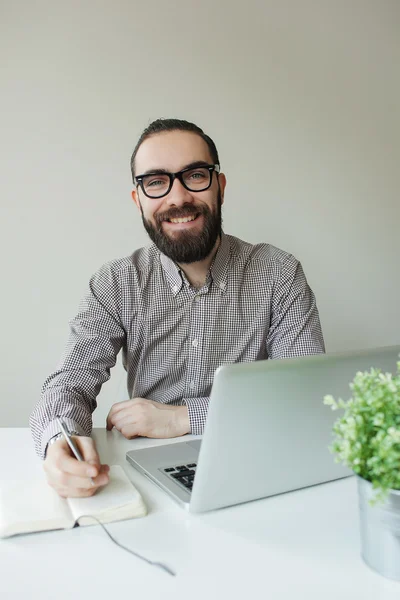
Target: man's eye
[(197, 175), (155, 183)]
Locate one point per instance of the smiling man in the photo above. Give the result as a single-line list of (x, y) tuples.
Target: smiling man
[(194, 299)]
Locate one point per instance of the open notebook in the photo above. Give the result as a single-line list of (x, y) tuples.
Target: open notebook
[(28, 506)]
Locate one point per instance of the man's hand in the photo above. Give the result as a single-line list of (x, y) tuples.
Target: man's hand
[(70, 477), (148, 419)]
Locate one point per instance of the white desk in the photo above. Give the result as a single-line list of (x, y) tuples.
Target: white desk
[(299, 545)]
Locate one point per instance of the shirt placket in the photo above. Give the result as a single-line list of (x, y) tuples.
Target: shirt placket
[(195, 342)]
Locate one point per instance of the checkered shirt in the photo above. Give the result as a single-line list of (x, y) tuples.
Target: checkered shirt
[(255, 304)]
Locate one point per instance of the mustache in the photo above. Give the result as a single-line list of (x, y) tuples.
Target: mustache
[(180, 213)]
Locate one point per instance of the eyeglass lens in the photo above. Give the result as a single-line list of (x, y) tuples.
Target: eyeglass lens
[(195, 180)]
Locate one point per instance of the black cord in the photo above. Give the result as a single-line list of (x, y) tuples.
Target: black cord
[(150, 562)]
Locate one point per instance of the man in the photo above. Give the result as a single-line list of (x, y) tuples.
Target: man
[(179, 308)]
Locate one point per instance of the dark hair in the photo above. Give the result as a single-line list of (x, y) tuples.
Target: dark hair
[(163, 125)]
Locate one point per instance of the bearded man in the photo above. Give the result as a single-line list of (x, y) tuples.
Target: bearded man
[(195, 299)]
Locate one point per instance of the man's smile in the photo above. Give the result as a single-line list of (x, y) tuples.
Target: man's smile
[(182, 222)]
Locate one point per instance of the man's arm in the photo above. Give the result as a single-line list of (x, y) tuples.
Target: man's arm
[(295, 328), (96, 336)]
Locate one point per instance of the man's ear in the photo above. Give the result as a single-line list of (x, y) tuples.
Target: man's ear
[(135, 198), (222, 185)]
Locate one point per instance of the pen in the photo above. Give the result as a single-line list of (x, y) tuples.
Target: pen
[(71, 442)]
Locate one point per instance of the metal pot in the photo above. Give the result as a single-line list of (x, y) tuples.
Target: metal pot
[(380, 531)]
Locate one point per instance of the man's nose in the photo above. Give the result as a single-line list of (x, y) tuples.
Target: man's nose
[(178, 194)]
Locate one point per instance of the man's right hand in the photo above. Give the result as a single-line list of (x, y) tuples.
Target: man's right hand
[(70, 477)]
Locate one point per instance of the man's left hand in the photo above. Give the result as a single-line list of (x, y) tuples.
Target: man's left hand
[(147, 418)]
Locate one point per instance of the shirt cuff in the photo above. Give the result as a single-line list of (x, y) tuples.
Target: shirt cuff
[(197, 410), (53, 428)]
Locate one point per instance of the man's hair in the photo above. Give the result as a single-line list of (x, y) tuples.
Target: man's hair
[(163, 125)]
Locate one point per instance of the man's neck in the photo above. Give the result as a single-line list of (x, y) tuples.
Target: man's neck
[(196, 273)]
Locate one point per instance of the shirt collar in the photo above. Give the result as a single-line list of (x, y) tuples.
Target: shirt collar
[(172, 273), (219, 268)]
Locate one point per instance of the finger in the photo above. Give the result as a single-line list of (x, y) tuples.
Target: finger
[(126, 419), (75, 493), (59, 458), (62, 460), (73, 487), (72, 466), (72, 483), (115, 409), (88, 450), (125, 404), (130, 431), (125, 414), (110, 416)]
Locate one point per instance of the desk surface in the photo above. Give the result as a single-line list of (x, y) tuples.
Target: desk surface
[(304, 544)]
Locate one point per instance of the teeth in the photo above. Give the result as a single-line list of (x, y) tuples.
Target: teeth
[(184, 220)]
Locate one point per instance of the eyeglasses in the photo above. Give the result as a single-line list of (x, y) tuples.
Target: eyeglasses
[(194, 179)]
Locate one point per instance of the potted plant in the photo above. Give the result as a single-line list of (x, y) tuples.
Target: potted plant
[(367, 440)]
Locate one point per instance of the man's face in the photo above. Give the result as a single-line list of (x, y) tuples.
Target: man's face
[(193, 240)]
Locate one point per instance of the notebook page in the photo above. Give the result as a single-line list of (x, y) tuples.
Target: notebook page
[(119, 492), (33, 505)]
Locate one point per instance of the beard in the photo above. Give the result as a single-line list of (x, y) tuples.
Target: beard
[(187, 247)]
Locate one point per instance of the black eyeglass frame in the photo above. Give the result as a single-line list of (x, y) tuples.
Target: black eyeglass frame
[(179, 175)]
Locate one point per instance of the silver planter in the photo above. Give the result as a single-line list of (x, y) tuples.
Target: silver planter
[(380, 531)]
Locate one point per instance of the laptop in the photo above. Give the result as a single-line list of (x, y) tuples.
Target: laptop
[(267, 431)]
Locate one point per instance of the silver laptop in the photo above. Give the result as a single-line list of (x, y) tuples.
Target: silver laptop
[(267, 431)]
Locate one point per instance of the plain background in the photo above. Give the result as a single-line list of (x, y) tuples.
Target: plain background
[(302, 100)]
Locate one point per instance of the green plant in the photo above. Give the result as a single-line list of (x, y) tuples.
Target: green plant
[(367, 436)]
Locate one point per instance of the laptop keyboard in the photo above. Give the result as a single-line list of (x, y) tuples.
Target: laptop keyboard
[(182, 474)]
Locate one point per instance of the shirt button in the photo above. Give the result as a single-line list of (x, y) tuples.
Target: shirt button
[(175, 288), (192, 385), (197, 298), (195, 343)]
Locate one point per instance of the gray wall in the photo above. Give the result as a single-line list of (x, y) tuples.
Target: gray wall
[(302, 99)]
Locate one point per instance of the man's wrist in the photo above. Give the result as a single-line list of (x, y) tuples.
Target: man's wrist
[(58, 436), (182, 420)]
